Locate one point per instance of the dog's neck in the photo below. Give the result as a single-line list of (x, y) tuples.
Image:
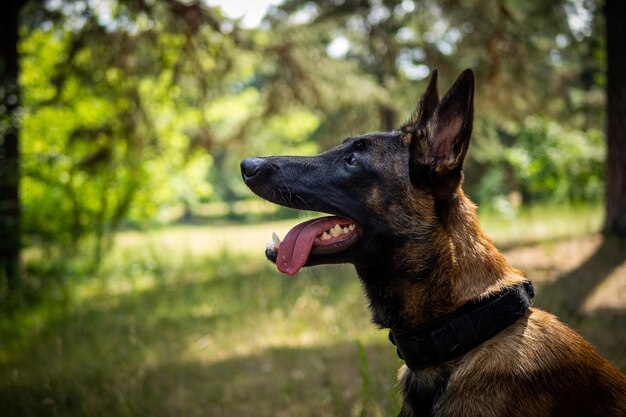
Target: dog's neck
[(479, 268), (430, 277)]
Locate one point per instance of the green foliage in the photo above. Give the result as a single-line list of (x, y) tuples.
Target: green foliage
[(100, 147), (556, 164), (536, 160), (133, 110)]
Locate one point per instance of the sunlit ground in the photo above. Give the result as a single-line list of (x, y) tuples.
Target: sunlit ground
[(193, 321), (526, 226)]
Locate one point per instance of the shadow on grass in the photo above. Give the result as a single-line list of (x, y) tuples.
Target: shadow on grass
[(311, 381), (604, 328), (564, 297)]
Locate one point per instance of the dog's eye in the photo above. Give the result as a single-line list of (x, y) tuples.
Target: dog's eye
[(352, 161)]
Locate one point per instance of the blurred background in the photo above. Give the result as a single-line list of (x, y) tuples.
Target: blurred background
[(132, 275)]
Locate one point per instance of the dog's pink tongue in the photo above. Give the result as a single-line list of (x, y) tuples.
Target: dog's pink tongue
[(296, 246)]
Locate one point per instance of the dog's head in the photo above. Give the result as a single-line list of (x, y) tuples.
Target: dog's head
[(382, 190)]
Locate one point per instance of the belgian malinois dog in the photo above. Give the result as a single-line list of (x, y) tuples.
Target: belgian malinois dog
[(459, 314)]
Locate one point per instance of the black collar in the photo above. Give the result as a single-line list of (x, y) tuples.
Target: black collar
[(457, 333)]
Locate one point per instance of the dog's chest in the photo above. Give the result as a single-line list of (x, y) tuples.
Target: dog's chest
[(421, 390)]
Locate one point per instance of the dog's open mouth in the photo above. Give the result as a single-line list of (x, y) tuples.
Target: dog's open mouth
[(321, 236)]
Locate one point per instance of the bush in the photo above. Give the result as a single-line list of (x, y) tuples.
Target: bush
[(538, 160), (552, 163)]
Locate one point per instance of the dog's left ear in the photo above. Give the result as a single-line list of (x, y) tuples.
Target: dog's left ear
[(450, 130), (414, 129), (425, 107)]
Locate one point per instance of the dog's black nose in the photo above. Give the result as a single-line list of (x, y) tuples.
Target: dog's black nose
[(250, 167)]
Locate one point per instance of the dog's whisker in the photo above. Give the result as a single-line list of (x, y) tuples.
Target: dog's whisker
[(305, 204)]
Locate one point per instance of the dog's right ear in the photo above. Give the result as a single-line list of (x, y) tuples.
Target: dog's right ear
[(451, 127), (440, 140), (449, 133)]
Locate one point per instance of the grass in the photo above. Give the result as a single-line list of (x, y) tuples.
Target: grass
[(157, 333), (541, 223), (192, 321)]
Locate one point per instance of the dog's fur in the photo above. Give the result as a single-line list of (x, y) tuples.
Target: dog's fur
[(421, 254)]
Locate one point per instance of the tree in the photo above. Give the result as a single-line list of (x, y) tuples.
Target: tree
[(532, 66), (9, 149), (395, 42), (615, 15), (115, 101)]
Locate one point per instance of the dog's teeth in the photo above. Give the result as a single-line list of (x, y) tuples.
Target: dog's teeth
[(325, 236), (336, 231), (274, 244)]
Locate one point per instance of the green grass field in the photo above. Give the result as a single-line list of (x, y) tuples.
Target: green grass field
[(192, 321)]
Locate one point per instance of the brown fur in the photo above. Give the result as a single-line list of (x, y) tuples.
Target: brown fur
[(536, 367)]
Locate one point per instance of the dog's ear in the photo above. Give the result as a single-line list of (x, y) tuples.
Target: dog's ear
[(450, 129), (425, 107), (414, 130)]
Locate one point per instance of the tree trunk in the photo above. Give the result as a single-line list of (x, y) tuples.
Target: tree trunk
[(615, 14), (387, 119), (9, 150)]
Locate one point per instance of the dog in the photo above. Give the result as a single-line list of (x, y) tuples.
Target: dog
[(460, 315)]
